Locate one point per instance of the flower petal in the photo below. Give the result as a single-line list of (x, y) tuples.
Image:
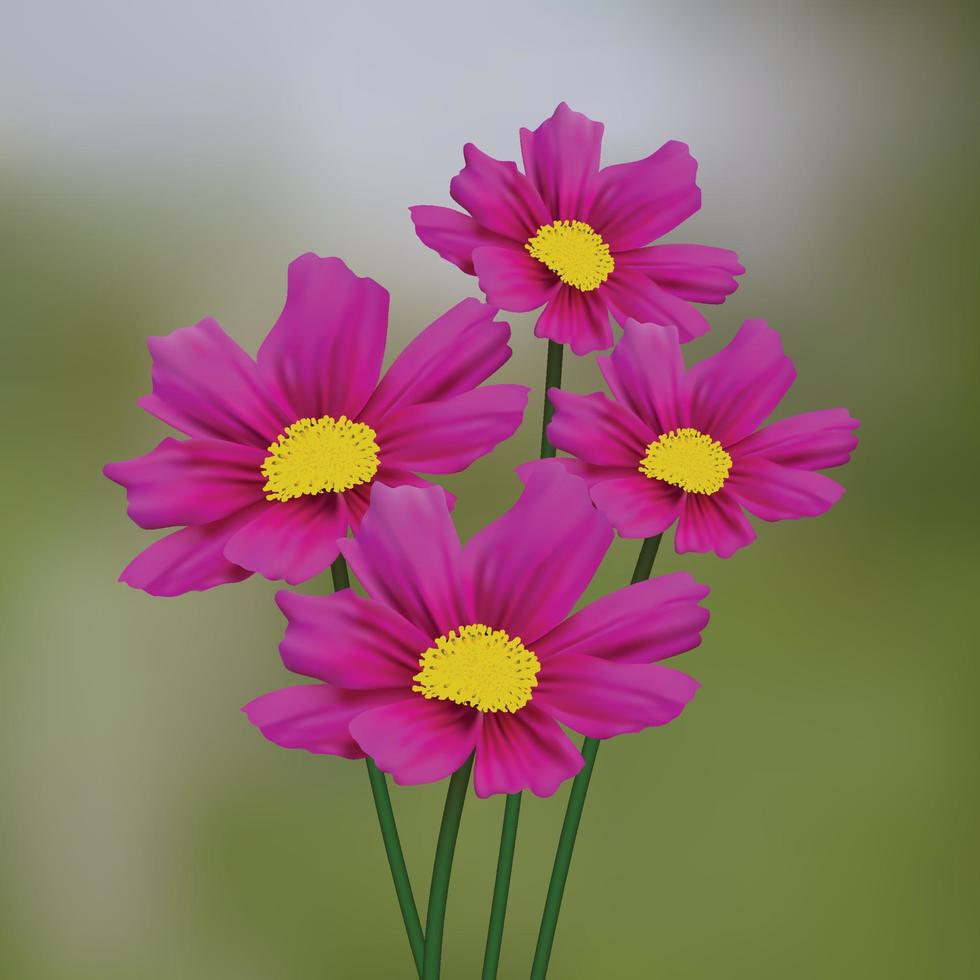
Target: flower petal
[(600, 699), (637, 202), (597, 430), (407, 555), (498, 195), (326, 348), (779, 493), (561, 157), (292, 540), (189, 560), (455, 353), (315, 717), (631, 294), (446, 436), (349, 641), (525, 750), (513, 280), (642, 623), (712, 523), (811, 441), (646, 373), (579, 319), (189, 481), (697, 273), (732, 392), (204, 384), (528, 568), (637, 506), (451, 234), (417, 740)]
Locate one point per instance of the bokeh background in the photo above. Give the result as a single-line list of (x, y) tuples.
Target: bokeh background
[(814, 813)]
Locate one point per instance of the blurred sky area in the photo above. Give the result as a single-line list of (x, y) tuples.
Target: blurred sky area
[(813, 815)]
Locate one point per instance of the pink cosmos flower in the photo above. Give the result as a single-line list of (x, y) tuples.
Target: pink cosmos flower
[(569, 236), (283, 450), (463, 649), (686, 445)]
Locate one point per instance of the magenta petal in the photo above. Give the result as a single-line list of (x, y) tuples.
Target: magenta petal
[(326, 348), (204, 384), (712, 523), (349, 641), (452, 234), (811, 441), (732, 392), (698, 273), (631, 294), (648, 621), (513, 280), (498, 195), (446, 436), (192, 481), (525, 750), (646, 373), (455, 353), (778, 493), (637, 202), (291, 540), (407, 555), (315, 717), (637, 506), (528, 568), (561, 157), (189, 560), (579, 319), (597, 430), (417, 740), (600, 699)]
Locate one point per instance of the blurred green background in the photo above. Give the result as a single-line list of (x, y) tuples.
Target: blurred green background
[(814, 813)]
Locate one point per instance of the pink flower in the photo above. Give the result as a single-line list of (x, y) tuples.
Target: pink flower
[(463, 649), (284, 450), (568, 235), (686, 445)]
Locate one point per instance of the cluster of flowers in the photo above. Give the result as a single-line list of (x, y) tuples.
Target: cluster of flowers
[(471, 651)]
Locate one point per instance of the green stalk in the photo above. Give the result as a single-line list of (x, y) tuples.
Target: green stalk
[(501, 886), (512, 806), (573, 812), (389, 830), (435, 918), (552, 379)]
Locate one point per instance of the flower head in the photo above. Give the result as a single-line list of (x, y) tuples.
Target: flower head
[(570, 237), (686, 445), (283, 450), (473, 648)]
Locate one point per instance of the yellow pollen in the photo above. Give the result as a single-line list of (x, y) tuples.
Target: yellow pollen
[(574, 251), (324, 455), (687, 459), (478, 666)]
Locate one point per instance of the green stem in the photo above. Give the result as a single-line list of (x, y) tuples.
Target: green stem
[(389, 830), (552, 379), (435, 919), (573, 812), (501, 886), (512, 806)]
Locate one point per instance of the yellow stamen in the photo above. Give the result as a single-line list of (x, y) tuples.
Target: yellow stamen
[(478, 666), (687, 459), (574, 251), (324, 455)]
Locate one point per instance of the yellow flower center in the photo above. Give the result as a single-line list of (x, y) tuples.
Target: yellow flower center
[(324, 455), (574, 251), (687, 459), (478, 666)]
